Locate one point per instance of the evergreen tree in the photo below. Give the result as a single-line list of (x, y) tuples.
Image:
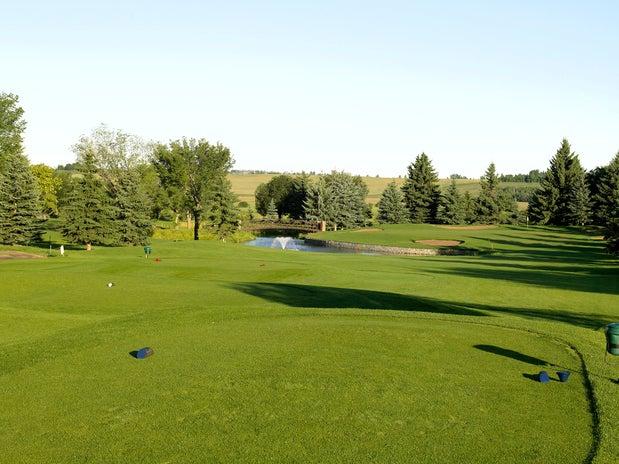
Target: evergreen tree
[(391, 208), (604, 187), (488, 208), (271, 211), (451, 209), (611, 234), (88, 215), (132, 224), (421, 192), (468, 208), (20, 208), (222, 213), (339, 199), (562, 198), (317, 204)]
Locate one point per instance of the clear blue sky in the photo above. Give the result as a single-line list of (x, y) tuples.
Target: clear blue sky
[(317, 85)]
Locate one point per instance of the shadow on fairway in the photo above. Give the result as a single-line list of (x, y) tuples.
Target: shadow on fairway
[(525, 358), (313, 296)]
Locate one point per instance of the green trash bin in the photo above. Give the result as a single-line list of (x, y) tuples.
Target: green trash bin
[(612, 338), (147, 250)]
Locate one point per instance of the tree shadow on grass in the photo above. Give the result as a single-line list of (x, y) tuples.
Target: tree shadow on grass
[(603, 280), (525, 358), (312, 296)]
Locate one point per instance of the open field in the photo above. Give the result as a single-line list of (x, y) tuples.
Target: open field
[(278, 356), (244, 185)]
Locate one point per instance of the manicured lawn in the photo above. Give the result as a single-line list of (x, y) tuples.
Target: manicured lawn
[(270, 356)]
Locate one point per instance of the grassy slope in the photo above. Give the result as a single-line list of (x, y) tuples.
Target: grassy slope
[(244, 185), (264, 355)]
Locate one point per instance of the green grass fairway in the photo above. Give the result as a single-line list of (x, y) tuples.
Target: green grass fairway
[(279, 356)]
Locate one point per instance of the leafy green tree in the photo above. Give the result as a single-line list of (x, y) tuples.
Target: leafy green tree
[(12, 126), (391, 208), (189, 171), (421, 191), (562, 198), (49, 185), (451, 209), (278, 190), (20, 208), (88, 215)]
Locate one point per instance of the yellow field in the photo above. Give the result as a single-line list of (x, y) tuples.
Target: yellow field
[(244, 185)]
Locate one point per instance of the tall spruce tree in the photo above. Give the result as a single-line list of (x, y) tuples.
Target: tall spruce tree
[(391, 208), (488, 207), (133, 225), (562, 198), (421, 191), (20, 207), (221, 213), (468, 207), (271, 211), (339, 199), (451, 209), (604, 186), (88, 216)]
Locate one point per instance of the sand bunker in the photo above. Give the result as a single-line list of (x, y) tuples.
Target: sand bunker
[(439, 242), (478, 227), (17, 255)]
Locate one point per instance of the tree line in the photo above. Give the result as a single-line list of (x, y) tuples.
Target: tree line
[(116, 189), (120, 185), (564, 195)]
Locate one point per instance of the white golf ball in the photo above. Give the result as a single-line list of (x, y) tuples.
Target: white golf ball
[(110, 284)]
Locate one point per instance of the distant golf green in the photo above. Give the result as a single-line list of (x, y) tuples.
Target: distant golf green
[(266, 355)]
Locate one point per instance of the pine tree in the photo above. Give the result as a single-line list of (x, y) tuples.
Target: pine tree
[(488, 208), (421, 192), (271, 211), (451, 209), (222, 213), (605, 191), (87, 218), (132, 224), (317, 205), (468, 208), (20, 208), (391, 208), (562, 198)]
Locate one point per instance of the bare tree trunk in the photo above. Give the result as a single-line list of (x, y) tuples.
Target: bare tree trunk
[(196, 226)]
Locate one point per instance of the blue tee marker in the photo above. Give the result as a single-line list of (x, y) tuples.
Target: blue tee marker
[(142, 353), (543, 377)]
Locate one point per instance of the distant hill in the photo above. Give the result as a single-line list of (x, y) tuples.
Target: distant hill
[(244, 185)]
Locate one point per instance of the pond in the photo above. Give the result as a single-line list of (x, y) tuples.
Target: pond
[(295, 244)]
